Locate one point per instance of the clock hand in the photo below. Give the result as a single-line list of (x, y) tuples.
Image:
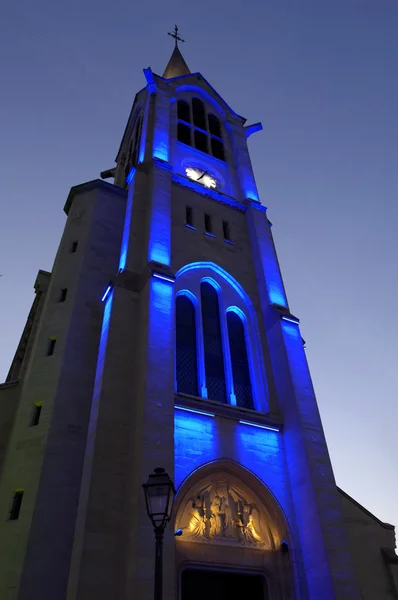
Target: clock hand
[(201, 177)]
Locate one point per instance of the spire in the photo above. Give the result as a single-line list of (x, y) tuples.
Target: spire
[(176, 65)]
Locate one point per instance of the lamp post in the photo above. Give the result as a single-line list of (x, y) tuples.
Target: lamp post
[(159, 496)]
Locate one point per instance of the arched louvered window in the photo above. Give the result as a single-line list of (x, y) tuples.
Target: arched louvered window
[(196, 128), (184, 134), (212, 342), (239, 362), (199, 115), (214, 125), (186, 358), (183, 111)]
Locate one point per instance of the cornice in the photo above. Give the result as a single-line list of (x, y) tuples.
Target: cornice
[(95, 184)]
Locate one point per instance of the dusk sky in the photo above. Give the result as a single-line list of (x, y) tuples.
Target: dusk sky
[(321, 75)]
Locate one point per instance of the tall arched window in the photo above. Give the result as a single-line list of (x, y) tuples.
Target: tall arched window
[(197, 129), (199, 115), (186, 358), (212, 342), (239, 362)]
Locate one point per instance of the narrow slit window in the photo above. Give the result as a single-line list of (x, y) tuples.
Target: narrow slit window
[(36, 414), (184, 134), (51, 346), (73, 247), (16, 505), (208, 225), (62, 295), (225, 228), (188, 216)]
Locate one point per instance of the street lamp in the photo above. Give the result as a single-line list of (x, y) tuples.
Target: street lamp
[(159, 496)]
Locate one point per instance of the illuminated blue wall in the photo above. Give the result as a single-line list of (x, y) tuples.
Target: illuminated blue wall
[(162, 127), (264, 254), (195, 443), (127, 221), (200, 439), (160, 227), (161, 313), (161, 336), (99, 371), (317, 502)]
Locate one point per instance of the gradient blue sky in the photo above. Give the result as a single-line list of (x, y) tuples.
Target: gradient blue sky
[(321, 75)]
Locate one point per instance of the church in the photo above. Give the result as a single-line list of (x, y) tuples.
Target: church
[(162, 344)]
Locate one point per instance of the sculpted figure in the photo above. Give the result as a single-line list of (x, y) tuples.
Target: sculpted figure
[(197, 524), (220, 511), (216, 518), (246, 523)]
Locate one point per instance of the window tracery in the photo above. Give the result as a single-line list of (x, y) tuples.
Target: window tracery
[(186, 354), (199, 129), (212, 348)]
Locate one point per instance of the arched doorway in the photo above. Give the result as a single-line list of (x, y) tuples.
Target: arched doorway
[(232, 533)]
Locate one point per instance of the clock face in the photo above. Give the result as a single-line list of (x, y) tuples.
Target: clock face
[(201, 176)]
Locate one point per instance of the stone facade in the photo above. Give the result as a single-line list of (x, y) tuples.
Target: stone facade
[(104, 375)]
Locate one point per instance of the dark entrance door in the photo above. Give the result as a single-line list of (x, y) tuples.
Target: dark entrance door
[(219, 585)]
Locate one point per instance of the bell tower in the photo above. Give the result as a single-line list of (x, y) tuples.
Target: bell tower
[(173, 346)]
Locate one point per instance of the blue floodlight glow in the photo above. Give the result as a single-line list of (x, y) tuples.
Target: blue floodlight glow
[(196, 441), (193, 410), (158, 253), (268, 427), (141, 153), (291, 320), (276, 296), (159, 236), (151, 83), (249, 186), (250, 129), (130, 176), (99, 370), (108, 289), (161, 132), (220, 271), (127, 223), (164, 277), (270, 266)]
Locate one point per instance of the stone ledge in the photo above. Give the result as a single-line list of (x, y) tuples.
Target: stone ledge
[(8, 384), (92, 185), (228, 411)]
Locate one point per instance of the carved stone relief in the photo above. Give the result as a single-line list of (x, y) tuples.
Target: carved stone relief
[(221, 512)]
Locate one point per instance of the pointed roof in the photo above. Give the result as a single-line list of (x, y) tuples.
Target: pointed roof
[(176, 65)]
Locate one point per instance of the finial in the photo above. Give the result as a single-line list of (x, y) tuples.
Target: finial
[(176, 36)]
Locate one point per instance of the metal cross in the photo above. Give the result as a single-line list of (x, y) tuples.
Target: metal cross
[(176, 36)]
